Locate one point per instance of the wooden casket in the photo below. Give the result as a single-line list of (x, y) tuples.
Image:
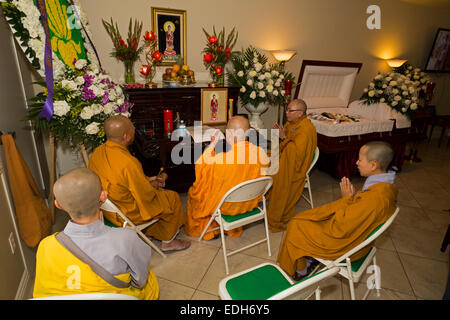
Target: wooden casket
[(343, 127)]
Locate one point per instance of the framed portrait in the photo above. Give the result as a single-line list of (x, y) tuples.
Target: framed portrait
[(214, 106), (169, 25)]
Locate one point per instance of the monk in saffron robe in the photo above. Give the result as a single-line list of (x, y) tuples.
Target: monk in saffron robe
[(216, 174), (118, 250), (331, 230), (139, 197), (298, 143)]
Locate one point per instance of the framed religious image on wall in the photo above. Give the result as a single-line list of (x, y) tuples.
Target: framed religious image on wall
[(169, 25), (214, 106)]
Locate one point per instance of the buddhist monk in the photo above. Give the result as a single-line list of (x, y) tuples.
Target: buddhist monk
[(139, 197), (217, 173), (118, 250), (298, 141), (329, 231)]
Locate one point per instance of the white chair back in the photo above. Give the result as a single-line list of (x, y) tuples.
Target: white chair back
[(314, 160), (247, 190)]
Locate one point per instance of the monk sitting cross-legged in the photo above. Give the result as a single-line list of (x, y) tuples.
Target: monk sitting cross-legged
[(329, 231), (139, 197), (298, 143), (217, 173), (60, 267)]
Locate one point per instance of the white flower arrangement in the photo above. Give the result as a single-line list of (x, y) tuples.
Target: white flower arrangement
[(83, 99), (400, 89), (259, 81)]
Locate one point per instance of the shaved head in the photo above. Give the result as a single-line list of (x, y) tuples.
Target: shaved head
[(236, 128), (380, 152), (299, 104), (118, 126), (78, 192)]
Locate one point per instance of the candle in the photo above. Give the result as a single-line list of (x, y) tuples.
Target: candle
[(287, 86), (145, 70), (230, 110), (168, 121)]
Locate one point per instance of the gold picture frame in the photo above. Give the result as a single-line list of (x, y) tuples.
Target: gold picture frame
[(169, 25), (214, 106)]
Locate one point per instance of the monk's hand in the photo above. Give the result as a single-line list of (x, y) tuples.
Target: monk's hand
[(282, 133), (347, 188), (155, 182)]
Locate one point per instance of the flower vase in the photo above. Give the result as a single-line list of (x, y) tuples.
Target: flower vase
[(129, 72), (255, 114)]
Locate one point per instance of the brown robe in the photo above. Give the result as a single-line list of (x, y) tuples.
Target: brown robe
[(329, 231), (296, 154)]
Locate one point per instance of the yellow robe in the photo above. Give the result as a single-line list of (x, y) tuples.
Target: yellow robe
[(296, 154), (59, 272), (128, 188), (215, 176), (331, 230)]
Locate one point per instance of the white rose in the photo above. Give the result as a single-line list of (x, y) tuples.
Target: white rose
[(393, 83), (252, 73), (384, 86), (281, 76), (109, 108), (268, 75), (250, 82), (407, 102), (86, 113), (378, 77), (394, 103), (366, 90), (413, 106), (275, 73), (80, 64), (282, 92), (246, 63), (423, 80), (405, 93), (260, 85), (69, 84), (412, 90), (79, 80), (372, 85), (258, 67), (97, 91), (60, 108), (388, 79), (253, 95), (97, 108), (380, 91), (240, 73), (92, 128), (371, 93), (262, 94), (382, 100), (261, 77), (404, 109), (269, 88), (397, 98), (243, 89), (275, 93), (277, 83), (395, 91)]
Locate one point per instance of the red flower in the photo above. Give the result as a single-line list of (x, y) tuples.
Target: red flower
[(149, 36), (157, 55), (212, 39), (228, 50), (208, 57), (218, 71), (145, 70), (122, 42)]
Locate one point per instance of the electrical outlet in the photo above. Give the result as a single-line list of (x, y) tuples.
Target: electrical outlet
[(12, 242)]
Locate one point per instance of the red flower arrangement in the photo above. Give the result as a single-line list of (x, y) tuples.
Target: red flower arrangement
[(218, 52), (152, 56)]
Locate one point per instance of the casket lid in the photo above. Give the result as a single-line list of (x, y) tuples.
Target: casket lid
[(325, 84)]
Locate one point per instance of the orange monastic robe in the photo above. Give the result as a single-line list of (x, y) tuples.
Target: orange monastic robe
[(215, 175), (296, 154), (331, 230), (130, 190)]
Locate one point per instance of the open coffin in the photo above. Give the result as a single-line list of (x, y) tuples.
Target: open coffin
[(343, 127)]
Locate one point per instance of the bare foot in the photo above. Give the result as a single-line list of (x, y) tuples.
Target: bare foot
[(175, 245)]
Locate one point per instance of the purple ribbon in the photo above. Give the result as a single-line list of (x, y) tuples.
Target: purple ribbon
[(47, 110)]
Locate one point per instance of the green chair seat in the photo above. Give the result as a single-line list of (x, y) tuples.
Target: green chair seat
[(230, 219), (258, 284), (109, 223)]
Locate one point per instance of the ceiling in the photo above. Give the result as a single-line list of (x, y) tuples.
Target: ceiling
[(431, 3)]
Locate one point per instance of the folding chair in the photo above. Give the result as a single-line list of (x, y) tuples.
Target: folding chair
[(111, 207), (245, 191), (308, 183), (354, 270), (90, 296), (268, 281)]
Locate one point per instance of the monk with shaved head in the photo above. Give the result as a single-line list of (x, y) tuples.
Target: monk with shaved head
[(139, 197), (329, 231), (61, 270), (298, 142), (216, 173)]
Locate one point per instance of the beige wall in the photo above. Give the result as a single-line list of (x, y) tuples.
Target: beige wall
[(320, 30)]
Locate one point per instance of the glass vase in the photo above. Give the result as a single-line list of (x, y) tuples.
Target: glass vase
[(129, 72)]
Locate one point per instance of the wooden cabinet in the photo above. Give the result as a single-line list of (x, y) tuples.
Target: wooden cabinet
[(152, 147)]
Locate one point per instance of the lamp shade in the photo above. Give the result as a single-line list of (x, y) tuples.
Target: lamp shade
[(283, 55), (395, 63)]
